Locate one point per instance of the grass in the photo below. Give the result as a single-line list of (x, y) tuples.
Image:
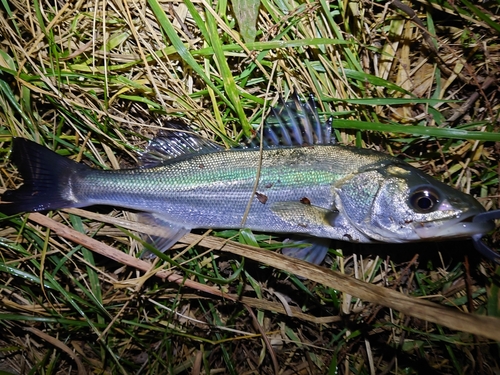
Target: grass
[(94, 81)]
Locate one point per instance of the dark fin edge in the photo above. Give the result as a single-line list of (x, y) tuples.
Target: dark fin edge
[(296, 123), (175, 143), (46, 175)]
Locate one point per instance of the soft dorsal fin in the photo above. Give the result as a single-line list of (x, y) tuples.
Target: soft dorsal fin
[(175, 143), (290, 123)]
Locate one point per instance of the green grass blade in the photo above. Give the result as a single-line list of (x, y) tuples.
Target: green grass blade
[(451, 133), (227, 77), (181, 49)]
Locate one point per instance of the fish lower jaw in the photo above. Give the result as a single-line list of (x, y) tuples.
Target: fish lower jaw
[(461, 227)]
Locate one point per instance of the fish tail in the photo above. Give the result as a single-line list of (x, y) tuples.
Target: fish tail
[(46, 177)]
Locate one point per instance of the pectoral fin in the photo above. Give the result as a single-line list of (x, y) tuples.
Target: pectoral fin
[(165, 233), (306, 217), (309, 219), (311, 249)]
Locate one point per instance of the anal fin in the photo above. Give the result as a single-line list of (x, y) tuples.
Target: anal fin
[(165, 234)]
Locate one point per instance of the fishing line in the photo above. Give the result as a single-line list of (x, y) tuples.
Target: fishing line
[(261, 153), (480, 246)]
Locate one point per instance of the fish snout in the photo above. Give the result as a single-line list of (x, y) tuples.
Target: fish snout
[(462, 226)]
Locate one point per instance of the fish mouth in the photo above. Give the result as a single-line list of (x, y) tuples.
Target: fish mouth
[(475, 223), (462, 226)]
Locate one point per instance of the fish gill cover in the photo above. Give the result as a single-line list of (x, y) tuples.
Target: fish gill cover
[(95, 81), (296, 182)]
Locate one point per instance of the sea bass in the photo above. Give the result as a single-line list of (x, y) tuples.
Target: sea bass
[(307, 185)]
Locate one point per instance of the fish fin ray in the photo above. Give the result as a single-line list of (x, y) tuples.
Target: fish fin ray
[(291, 123), (295, 123), (175, 143), (166, 233), (314, 253), (46, 176)]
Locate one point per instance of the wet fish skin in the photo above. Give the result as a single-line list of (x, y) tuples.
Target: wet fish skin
[(307, 186), (212, 190), (327, 191)]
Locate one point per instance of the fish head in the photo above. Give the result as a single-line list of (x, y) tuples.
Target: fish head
[(395, 202)]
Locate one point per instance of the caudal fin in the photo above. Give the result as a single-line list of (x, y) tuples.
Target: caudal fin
[(46, 178)]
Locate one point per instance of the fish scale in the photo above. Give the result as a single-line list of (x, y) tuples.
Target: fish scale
[(307, 186), (216, 195)]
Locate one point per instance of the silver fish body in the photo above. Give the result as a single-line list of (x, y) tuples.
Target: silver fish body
[(324, 190), (320, 190), (213, 190)]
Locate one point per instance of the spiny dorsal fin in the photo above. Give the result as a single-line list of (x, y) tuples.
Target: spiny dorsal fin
[(290, 123), (295, 123)]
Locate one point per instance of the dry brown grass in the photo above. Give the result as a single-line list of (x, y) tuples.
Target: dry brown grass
[(98, 79)]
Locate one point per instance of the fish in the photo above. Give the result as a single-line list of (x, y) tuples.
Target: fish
[(295, 180)]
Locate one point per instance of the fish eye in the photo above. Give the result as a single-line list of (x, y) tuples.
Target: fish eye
[(424, 200)]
